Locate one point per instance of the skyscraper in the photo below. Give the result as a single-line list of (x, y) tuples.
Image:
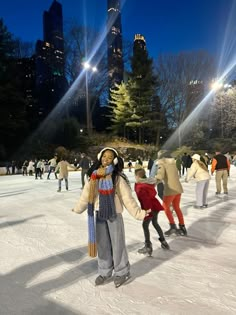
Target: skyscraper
[(139, 42), (53, 34), (114, 42), (50, 74), (26, 75)]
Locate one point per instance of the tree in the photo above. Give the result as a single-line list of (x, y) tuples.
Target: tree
[(23, 49), (121, 109), (183, 78), (142, 89), (223, 113), (13, 124)]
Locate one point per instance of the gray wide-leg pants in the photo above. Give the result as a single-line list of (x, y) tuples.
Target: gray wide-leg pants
[(112, 252), (201, 192)]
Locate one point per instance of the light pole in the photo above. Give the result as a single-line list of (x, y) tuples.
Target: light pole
[(88, 67)]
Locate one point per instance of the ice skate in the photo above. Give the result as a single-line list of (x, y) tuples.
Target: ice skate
[(173, 230), (119, 280), (182, 230), (164, 244), (147, 249), (100, 280)]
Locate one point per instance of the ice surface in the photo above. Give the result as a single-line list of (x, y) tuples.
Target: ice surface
[(45, 269)]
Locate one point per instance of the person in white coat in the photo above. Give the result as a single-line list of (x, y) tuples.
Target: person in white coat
[(199, 172), (105, 195), (30, 168)]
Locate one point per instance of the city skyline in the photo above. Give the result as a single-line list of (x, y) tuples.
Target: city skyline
[(168, 27)]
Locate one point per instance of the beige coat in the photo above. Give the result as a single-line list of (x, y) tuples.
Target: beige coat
[(123, 198), (197, 172), (168, 173), (62, 166)]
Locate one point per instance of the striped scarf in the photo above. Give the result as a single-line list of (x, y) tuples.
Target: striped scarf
[(106, 209)]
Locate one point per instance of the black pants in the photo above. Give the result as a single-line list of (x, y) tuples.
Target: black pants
[(184, 170), (83, 174), (160, 190), (156, 226), (38, 173)]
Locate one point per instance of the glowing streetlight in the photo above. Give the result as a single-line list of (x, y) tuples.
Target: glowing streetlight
[(87, 66), (216, 85), (227, 86)]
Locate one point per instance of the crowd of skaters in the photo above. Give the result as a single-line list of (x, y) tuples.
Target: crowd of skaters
[(163, 177), (57, 166), (168, 171)]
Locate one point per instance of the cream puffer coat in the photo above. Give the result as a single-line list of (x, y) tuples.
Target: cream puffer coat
[(197, 172), (123, 198), (168, 173)]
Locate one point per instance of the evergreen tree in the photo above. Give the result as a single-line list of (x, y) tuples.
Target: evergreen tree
[(142, 90), (121, 109), (7, 50), (13, 124)]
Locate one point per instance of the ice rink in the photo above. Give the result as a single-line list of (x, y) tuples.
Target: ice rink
[(45, 269)]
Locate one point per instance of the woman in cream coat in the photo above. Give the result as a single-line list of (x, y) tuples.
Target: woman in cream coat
[(199, 172), (105, 195)]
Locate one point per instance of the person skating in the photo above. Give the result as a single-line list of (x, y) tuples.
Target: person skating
[(31, 167), (52, 166), (168, 173), (220, 165), (199, 172), (38, 169), (24, 168), (146, 193), (84, 164), (104, 195), (62, 167), (184, 160), (130, 165)]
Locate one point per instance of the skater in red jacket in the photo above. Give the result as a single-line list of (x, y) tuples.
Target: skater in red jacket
[(146, 193)]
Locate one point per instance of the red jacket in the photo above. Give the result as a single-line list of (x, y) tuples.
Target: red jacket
[(146, 194)]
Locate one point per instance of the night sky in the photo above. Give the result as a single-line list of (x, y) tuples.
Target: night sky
[(168, 25)]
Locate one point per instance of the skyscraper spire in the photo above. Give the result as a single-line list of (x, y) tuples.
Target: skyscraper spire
[(139, 41), (114, 42)]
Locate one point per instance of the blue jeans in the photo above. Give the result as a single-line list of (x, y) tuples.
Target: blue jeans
[(59, 183)]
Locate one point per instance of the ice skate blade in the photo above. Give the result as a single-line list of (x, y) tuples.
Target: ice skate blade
[(147, 254), (117, 285), (106, 281), (173, 234)]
